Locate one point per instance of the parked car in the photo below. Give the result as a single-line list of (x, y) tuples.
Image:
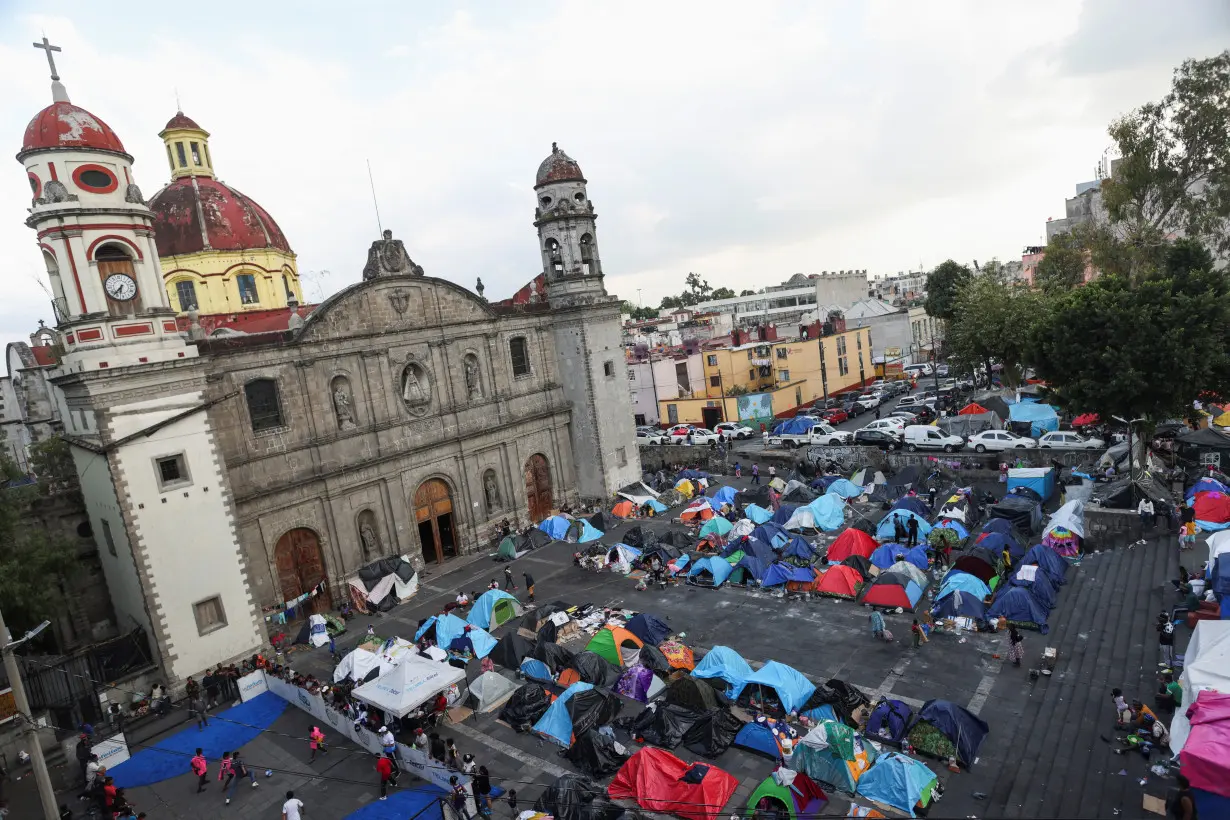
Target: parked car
[(994, 441), (868, 401), (1066, 438), (895, 424), (644, 432), (925, 413), (835, 416), (821, 434), (917, 370), (941, 370), (733, 429), (917, 400), (898, 387), (698, 435), (926, 437), (852, 407), (827, 404), (811, 412), (884, 439)]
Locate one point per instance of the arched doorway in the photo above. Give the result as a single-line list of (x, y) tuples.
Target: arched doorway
[(433, 510), (301, 566), (538, 487)]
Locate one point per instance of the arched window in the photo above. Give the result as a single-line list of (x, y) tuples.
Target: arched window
[(519, 350), (264, 408), (185, 292), (553, 252), (587, 254)]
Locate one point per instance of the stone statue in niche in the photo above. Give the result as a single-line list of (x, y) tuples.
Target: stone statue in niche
[(388, 257), (491, 491), (474, 385), (371, 541), (415, 388), (343, 408)]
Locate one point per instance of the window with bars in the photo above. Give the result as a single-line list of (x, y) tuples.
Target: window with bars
[(519, 351), (185, 291), (264, 408)]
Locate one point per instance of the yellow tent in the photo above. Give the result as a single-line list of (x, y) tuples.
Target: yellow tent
[(685, 488), (1223, 420)]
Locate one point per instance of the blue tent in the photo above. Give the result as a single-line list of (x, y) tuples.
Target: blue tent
[(845, 488), (1045, 557), (710, 572), (758, 738), (724, 495), (1040, 587), (958, 604), (886, 555), (885, 529), (889, 720), (781, 572), (1206, 485), (1039, 479), (798, 548), (690, 475), (556, 526), (1041, 417), (450, 628), (795, 426), (821, 482), (791, 687), (556, 723), (427, 624), (483, 609), (587, 531), (995, 542), (649, 628), (751, 546), (824, 711), (829, 511), (783, 513), (954, 525), (914, 504), (897, 781), (1017, 605), (726, 664), (752, 566), (757, 514), (771, 534), (655, 505), (961, 726), (1002, 525), (536, 670), (958, 581)]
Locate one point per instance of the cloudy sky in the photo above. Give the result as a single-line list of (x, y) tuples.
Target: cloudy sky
[(744, 141)]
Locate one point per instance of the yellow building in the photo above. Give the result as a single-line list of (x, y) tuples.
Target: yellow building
[(219, 250), (784, 374)]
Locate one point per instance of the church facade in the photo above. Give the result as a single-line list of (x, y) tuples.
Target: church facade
[(405, 415)]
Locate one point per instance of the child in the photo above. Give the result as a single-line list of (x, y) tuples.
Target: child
[(1123, 715), (738, 470), (917, 635), (226, 770), (1187, 540), (316, 740)]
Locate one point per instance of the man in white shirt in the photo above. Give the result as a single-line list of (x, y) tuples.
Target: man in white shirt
[(1145, 508), (292, 809)]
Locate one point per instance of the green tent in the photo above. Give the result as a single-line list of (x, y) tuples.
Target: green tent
[(793, 800), (833, 753), (716, 526), (503, 611), (611, 642), (508, 548)]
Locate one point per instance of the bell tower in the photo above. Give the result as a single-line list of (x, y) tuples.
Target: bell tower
[(586, 327)]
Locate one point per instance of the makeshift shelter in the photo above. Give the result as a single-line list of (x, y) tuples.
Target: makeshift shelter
[(616, 644), (748, 568), (677, 655), (489, 691), (556, 526), (959, 507), (535, 670), (867, 476), (971, 409), (694, 693), (958, 604), (596, 754), (1041, 418), (507, 550), (948, 533), (709, 572), (652, 507), (786, 511), (382, 584), (958, 580), (713, 733), (572, 797), (456, 635), (556, 657), (1205, 754), (1023, 513), (885, 556), (833, 753), (640, 537), (624, 509), (639, 683), (908, 570), (979, 562), (651, 657), (757, 514), (582, 532), (726, 664), (407, 686), (590, 667), (886, 530), (758, 737), (771, 534), (781, 572), (685, 488), (493, 608), (723, 496), (1206, 666), (791, 687), (1054, 566), (716, 526), (1035, 579), (844, 488), (851, 542), (912, 503), (581, 707), (1020, 608), (799, 550), (840, 581), (648, 628), (798, 494), (660, 782), (360, 665), (967, 425), (510, 650), (1205, 484), (892, 590), (1071, 517), (962, 729), (525, 706), (787, 794), (898, 781), (1039, 479), (663, 724), (699, 510), (996, 542)]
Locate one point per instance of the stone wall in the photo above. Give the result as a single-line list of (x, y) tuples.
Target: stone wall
[(1109, 529)]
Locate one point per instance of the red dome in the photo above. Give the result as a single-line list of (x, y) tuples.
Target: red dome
[(180, 120), (558, 167), (64, 125), (232, 221)]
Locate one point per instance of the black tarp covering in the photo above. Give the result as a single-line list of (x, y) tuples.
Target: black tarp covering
[(677, 539), (640, 537), (757, 494), (549, 632), (374, 573), (799, 495), (860, 564), (556, 657), (846, 699), (538, 538), (1020, 511), (662, 552), (903, 481), (713, 733), (525, 706), (592, 708), (510, 650), (1118, 495), (595, 669), (652, 659), (573, 797), (665, 724), (595, 754), (695, 693)]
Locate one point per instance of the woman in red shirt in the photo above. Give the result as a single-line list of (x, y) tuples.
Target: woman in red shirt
[(384, 766)]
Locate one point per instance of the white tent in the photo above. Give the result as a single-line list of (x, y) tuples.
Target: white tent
[(415, 681), (1219, 542), (801, 519), (741, 528), (358, 664), (1070, 516), (637, 493), (1206, 665), (318, 630), (490, 689)]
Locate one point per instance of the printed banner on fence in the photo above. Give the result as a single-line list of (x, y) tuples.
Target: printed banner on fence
[(252, 685), (111, 752)]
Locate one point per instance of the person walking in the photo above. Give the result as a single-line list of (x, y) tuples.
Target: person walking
[(241, 770), (764, 437), (738, 470), (755, 473), (877, 624), (529, 586), (226, 771), (1016, 646), (316, 742), (388, 744), (917, 636), (1180, 802), (384, 767), (1165, 638), (452, 758), (508, 579), (196, 707), (458, 796), (200, 767), (292, 809), (482, 791), (772, 473), (931, 494), (84, 753), (911, 531)]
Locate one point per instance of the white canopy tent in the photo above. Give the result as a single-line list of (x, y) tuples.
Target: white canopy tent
[(1206, 665), (415, 681), (358, 665)]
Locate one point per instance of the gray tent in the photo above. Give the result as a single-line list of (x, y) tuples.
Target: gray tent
[(489, 690), (968, 425)]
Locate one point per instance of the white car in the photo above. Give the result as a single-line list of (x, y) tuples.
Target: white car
[(914, 401), (732, 429), (697, 435), (994, 441), (868, 401), (894, 424), (1071, 440)]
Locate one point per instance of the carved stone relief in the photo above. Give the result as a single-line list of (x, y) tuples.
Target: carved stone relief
[(474, 380), (415, 388)]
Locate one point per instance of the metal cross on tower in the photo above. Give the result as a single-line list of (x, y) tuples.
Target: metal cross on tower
[(51, 60)]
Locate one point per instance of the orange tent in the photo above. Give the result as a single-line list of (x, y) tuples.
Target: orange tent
[(624, 509), (851, 542), (678, 655), (698, 512), (972, 409)]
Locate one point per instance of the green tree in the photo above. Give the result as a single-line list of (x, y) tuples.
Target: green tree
[(722, 293), (670, 303), (747, 292), (992, 322), (1063, 266), (638, 314), (1173, 175), (944, 285)]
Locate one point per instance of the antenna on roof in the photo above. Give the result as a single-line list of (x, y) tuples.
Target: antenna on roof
[(375, 204), (178, 106)]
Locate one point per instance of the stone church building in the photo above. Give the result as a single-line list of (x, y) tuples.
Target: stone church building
[(230, 471)]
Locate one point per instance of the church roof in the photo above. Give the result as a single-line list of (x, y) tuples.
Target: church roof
[(64, 125), (201, 213), (181, 120), (558, 167), (251, 321)]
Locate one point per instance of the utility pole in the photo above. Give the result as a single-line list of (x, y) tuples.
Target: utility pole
[(824, 375), (654, 381), (29, 732)]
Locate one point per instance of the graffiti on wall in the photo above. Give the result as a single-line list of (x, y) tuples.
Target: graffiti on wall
[(756, 409)]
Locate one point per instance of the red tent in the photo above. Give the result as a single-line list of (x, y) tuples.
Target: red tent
[(1212, 506), (840, 581), (653, 778), (851, 542), (972, 409), (892, 590), (1084, 419)]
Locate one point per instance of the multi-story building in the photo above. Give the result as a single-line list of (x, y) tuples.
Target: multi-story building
[(900, 289), (786, 304)]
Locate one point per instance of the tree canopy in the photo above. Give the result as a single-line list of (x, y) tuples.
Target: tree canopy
[(944, 285), (1063, 265), (639, 313), (991, 322)]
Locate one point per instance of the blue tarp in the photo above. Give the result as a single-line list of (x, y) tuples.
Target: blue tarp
[(798, 548), (783, 513), (829, 511), (792, 688), (556, 723), (726, 664), (1206, 485), (757, 514), (480, 612), (780, 573), (655, 505), (994, 542), (753, 566), (724, 495), (958, 604), (1016, 604), (427, 624), (449, 628), (965, 729), (912, 503), (690, 475), (758, 737), (886, 555), (588, 532), (885, 529), (1045, 557), (753, 547), (1041, 588), (772, 534), (556, 526), (845, 488), (649, 628), (1002, 525), (719, 570), (536, 670), (795, 426), (824, 711), (897, 781), (1041, 417), (889, 720), (821, 482), (958, 581), (1039, 479)]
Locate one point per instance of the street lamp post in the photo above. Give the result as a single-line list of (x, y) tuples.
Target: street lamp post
[(29, 732)]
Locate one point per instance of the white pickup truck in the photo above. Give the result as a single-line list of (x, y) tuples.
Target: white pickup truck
[(820, 434)]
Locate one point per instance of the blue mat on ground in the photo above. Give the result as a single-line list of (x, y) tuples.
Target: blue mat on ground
[(403, 803), (227, 731)]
